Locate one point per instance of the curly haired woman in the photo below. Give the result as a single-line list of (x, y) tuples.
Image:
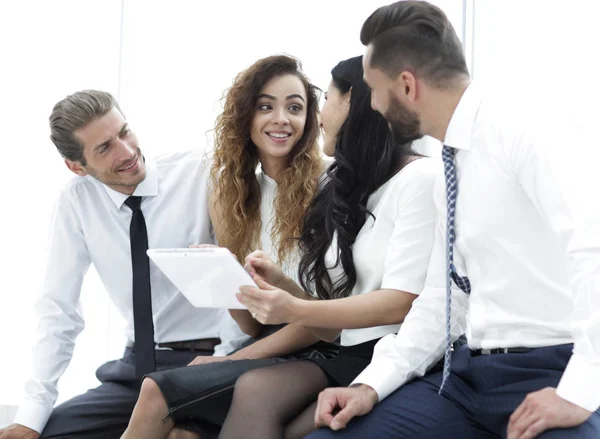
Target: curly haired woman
[(270, 118)]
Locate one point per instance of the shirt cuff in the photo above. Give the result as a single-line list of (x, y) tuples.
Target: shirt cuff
[(382, 375), (33, 415), (580, 383)]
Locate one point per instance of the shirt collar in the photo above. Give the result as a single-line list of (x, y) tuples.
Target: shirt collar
[(147, 188), (458, 134)]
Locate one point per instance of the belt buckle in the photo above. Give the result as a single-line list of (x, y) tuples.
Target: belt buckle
[(486, 352)]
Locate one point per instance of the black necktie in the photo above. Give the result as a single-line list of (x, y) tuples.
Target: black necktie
[(142, 299)]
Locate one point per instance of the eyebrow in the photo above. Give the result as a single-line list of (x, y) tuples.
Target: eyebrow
[(273, 98), (105, 143)]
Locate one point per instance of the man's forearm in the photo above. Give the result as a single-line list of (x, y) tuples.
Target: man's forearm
[(246, 322)]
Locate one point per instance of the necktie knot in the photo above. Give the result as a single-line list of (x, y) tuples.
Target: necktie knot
[(134, 202), (448, 153)]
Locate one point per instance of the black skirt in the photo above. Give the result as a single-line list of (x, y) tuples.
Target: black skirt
[(348, 364), (199, 396)]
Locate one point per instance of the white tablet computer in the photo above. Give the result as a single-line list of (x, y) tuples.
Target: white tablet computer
[(207, 277)]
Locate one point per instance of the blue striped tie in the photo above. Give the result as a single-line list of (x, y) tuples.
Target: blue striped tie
[(451, 274)]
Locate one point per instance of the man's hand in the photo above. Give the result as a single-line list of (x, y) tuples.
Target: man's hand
[(544, 410), (18, 431), (206, 359), (350, 401)]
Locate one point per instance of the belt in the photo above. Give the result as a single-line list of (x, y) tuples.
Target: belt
[(477, 352), (204, 344)]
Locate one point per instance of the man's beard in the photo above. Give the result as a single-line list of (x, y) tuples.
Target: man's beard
[(112, 179), (404, 123)]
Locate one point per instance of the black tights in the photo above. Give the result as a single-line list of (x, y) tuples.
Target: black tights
[(275, 402)]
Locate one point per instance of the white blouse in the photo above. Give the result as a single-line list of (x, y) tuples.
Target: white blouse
[(392, 251), (268, 189)]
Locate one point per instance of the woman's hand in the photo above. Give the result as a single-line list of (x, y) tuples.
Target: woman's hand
[(270, 305), (206, 359), (258, 262)]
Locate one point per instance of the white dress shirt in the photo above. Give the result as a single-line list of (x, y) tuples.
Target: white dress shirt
[(392, 251), (90, 225), (528, 238)]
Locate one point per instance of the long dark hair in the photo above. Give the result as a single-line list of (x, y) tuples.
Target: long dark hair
[(365, 158)]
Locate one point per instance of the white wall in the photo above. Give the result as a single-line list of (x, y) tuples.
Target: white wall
[(200, 47), (545, 48), (47, 50)]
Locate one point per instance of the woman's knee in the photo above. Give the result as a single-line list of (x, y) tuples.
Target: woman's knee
[(151, 395), (180, 433), (252, 383)]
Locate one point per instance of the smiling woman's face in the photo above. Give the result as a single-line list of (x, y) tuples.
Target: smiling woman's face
[(279, 117)]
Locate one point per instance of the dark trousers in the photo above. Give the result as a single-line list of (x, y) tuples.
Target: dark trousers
[(104, 412), (477, 401)]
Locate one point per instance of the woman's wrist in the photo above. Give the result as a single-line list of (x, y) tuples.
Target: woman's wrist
[(300, 311), (237, 356), (290, 285), (245, 353), (285, 283), (286, 280)]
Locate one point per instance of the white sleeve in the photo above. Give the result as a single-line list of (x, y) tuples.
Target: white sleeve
[(559, 173), (58, 311), (411, 241), (421, 340)]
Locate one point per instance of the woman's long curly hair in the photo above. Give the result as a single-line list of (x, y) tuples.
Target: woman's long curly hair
[(235, 161), (366, 156)]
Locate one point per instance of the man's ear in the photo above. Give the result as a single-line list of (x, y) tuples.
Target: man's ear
[(406, 84), (76, 167)]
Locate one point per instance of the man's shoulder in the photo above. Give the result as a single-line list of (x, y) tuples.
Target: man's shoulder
[(194, 158), (520, 108), (78, 192), (180, 169), (77, 185)]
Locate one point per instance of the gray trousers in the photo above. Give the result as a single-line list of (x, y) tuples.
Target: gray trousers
[(104, 412)]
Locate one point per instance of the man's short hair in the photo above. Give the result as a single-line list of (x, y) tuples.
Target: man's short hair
[(74, 112), (415, 36)]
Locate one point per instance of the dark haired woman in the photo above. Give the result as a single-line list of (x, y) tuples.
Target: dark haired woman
[(365, 247)]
